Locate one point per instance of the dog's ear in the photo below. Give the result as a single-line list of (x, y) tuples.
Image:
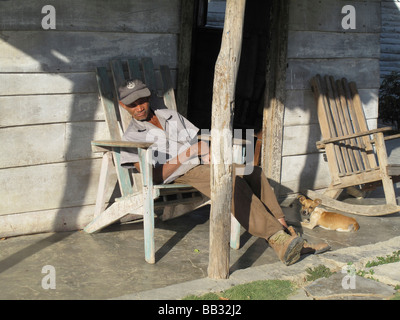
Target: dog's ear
[(301, 198), (318, 201)]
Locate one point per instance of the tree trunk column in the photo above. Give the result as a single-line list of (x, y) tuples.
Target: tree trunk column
[(223, 103)]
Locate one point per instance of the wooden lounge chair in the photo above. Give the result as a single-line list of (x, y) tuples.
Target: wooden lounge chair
[(356, 156), (137, 189)]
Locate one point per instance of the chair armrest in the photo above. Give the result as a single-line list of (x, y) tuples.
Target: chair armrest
[(395, 136), (107, 145), (321, 144)]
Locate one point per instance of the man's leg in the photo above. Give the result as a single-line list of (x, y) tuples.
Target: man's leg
[(199, 178), (259, 184), (262, 189), (251, 211)]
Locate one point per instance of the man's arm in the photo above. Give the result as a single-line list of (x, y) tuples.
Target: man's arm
[(164, 171)]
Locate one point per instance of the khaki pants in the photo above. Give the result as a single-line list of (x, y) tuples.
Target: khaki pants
[(254, 203)]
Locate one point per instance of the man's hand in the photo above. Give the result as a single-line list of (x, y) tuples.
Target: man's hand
[(199, 149), (204, 152), (283, 222)]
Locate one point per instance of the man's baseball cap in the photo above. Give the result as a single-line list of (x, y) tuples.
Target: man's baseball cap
[(132, 91)]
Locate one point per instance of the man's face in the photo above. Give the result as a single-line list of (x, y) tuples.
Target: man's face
[(139, 110)]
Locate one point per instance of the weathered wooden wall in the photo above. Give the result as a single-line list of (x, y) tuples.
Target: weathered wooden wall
[(317, 43), (49, 107), (390, 37), (216, 13)]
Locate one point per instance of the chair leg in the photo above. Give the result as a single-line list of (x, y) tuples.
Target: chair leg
[(100, 198), (235, 233), (148, 225), (387, 181), (333, 193), (355, 192), (388, 188), (145, 157)]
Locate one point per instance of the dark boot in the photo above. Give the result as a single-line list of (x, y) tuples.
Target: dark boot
[(287, 247), (309, 248)]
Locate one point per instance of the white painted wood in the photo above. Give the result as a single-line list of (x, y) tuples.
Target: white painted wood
[(119, 209), (300, 106), (141, 16), (49, 100), (361, 71), (49, 143), (390, 37), (326, 15), (302, 172), (62, 89), (67, 52), (147, 195), (21, 146), (78, 136), (53, 220), (38, 109), (300, 139), (46, 83), (316, 44), (51, 186), (101, 199), (216, 14)]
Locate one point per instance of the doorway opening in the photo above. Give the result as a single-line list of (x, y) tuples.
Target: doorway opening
[(251, 81)]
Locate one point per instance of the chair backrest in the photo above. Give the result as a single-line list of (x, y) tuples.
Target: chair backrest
[(117, 118), (340, 113)]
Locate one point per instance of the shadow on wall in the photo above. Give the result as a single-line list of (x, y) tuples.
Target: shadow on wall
[(318, 44), (50, 107), (390, 55)]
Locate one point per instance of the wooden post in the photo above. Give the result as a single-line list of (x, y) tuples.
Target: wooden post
[(225, 75), (274, 99)]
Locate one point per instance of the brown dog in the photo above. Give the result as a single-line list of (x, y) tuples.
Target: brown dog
[(315, 216)]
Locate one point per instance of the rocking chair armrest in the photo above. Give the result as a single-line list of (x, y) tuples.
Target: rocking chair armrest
[(107, 145), (395, 136), (321, 144)]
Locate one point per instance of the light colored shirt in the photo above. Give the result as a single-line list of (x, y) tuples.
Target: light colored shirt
[(178, 135)]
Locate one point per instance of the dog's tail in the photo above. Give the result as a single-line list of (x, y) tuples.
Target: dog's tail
[(355, 226)]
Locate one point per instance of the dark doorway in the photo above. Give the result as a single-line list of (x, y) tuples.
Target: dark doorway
[(252, 71)]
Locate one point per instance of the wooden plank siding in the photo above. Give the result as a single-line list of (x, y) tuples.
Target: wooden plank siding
[(390, 37), (49, 103), (49, 107), (318, 44)]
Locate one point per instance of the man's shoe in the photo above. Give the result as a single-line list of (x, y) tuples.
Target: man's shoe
[(309, 248), (287, 247)]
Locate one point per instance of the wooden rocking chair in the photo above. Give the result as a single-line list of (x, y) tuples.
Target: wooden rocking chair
[(356, 156), (137, 189)]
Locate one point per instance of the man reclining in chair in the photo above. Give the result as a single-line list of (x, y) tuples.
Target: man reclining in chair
[(178, 156)]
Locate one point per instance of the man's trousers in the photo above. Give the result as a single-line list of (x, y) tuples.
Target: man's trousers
[(254, 202)]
